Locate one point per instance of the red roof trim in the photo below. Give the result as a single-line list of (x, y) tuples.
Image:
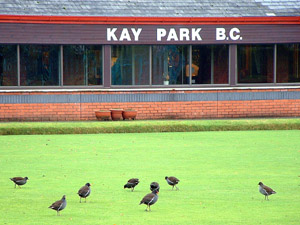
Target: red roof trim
[(147, 20)]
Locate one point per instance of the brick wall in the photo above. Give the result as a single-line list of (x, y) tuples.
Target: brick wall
[(70, 106)]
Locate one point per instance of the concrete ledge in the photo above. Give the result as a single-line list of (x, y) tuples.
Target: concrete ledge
[(131, 89)]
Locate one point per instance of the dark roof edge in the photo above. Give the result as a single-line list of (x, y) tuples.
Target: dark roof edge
[(147, 20)]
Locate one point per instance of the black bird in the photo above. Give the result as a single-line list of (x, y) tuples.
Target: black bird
[(154, 186), (132, 183), (84, 191), (59, 205), (265, 190), (150, 199), (172, 181), (19, 180)]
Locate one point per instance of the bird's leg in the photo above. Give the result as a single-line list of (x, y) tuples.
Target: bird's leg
[(85, 200), (15, 185), (149, 208), (172, 187), (176, 188), (80, 200), (132, 189)]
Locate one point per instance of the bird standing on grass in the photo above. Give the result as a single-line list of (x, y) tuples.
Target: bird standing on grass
[(132, 183), (150, 199), (172, 181), (19, 180), (154, 186), (59, 205), (84, 191), (265, 190)]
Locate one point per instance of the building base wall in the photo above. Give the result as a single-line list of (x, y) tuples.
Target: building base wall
[(175, 104)]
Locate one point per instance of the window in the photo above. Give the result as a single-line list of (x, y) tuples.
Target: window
[(288, 63), (39, 65), (8, 65), (209, 64), (169, 64), (82, 65), (255, 63), (130, 65)]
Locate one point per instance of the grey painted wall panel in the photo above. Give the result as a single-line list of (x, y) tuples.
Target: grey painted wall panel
[(27, 99), (96, 34), (168, 97)]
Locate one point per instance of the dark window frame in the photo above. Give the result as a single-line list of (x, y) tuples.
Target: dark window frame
[(273, 61), (6, 66), (287, 56), (106, 77)]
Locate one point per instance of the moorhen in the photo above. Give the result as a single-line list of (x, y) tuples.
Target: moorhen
[(150, 199), (132, 183), (19, 180), (59, 205), (265, 190), (172, 181), (84, 191), (154, 186)]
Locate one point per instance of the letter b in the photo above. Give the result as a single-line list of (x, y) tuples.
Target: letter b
[(220, 34)]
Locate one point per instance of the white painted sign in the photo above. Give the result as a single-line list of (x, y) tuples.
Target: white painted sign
[(184, 34), (172, 34), (125, 34), (234, 34)]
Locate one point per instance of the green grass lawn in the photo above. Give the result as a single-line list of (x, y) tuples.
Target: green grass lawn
[(147, 126), (218, 172)]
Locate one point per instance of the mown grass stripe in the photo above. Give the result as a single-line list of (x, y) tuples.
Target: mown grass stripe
[(147, 126)]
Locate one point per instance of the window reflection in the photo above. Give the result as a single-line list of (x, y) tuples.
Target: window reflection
[(130, 65), (288, 63), (209, 64), (255, 63), (82, 65), (169, 64), (8, 65), (39, 65)]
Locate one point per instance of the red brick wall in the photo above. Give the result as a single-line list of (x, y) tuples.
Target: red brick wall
[(152, 110)]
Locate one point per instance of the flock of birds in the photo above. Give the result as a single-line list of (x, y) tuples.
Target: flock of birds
[(85, 191), (148, 200)]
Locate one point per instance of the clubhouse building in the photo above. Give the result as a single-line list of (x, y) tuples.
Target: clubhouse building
[(64, 60)]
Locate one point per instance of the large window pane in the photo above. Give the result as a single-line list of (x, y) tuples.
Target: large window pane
[(209, 64), (169, 64), (255, 63), (130, 65), (8, 65), (288, 63), (82, 65), (39, 65)]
